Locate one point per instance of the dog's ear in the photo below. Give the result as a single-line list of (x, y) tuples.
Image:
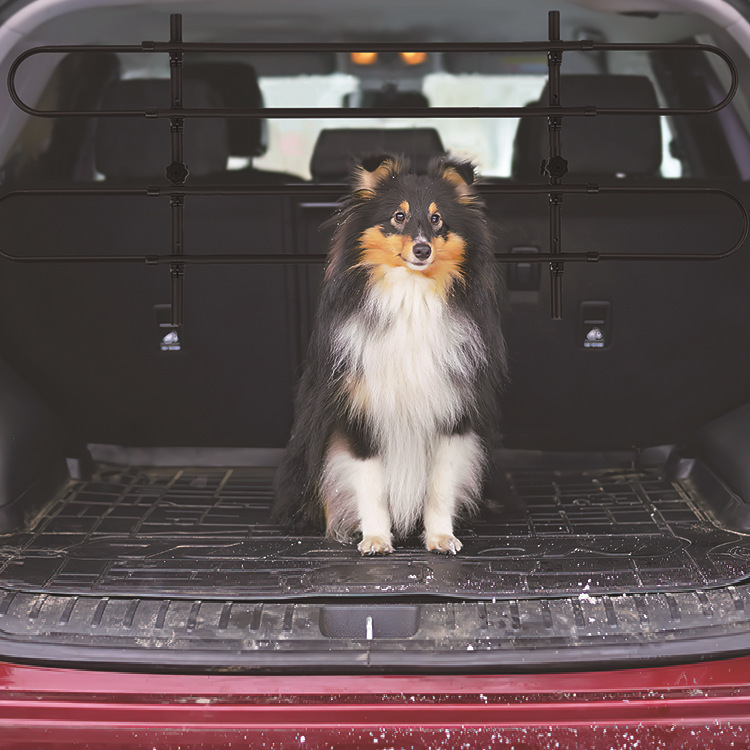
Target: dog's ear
[(372, 171), (461, 176)]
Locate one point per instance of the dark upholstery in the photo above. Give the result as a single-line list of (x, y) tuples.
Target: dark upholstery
[(85, 336), (626, 145), (337, 150), (393, 98), (237, 85), (133, 148)]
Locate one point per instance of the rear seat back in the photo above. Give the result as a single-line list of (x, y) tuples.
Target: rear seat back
[(236, 83), (612, 146), (670, 359), (87, 336), (337, 150), (129, 149), (138, 148)]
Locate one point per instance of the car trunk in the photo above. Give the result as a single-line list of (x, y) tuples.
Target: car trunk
[(168, 557)]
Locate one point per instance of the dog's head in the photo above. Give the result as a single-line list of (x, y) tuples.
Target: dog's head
[(417, 222)]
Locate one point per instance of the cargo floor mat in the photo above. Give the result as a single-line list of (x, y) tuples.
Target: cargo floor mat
[(204, 533)]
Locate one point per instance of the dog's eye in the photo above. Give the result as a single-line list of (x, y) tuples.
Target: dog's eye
[(436, 218), (399, 217)]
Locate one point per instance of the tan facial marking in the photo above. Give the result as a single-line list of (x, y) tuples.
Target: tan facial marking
[(447, 267), (383, 251)]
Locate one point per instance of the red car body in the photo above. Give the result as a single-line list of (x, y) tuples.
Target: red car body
[(704, 705)]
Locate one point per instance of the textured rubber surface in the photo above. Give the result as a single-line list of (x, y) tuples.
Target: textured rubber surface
[(204, 534)]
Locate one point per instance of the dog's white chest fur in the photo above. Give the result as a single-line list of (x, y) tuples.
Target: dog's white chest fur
[(411, 357)]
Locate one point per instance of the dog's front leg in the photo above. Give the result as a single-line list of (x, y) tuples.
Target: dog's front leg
[(455, 482), (355, 499), (372, 507)]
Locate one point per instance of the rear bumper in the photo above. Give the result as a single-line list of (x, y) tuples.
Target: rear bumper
[(705, 705)]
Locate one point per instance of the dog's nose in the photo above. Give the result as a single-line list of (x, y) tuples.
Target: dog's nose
[(421, 251)]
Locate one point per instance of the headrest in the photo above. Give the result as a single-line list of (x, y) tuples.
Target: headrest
[(383, 98), (139, 148), (337, 151), (237, 85), (626, 145)]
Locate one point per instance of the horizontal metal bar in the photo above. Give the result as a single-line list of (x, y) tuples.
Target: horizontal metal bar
[(356, 113), (340, 188), (585, 45), (301, 189), (315, 258)]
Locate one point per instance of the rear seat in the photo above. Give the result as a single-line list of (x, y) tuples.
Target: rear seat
[(86, 336), (238, 87), (137, 149), (672, 359), (337, 150), (602, 147)]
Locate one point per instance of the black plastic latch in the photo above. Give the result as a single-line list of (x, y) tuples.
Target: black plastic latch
[(596, 325)]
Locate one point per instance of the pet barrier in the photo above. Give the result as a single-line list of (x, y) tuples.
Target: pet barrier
[(555, 166)]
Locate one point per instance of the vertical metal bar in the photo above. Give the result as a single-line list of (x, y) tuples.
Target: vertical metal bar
[(176, 270), (176, 171), (556, 168)]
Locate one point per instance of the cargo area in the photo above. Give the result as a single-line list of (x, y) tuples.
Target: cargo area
[(560, 526)]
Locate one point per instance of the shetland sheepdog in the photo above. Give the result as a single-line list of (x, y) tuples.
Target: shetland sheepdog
[(397, 404)]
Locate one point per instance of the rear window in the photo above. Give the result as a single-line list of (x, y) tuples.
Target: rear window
[(487, 142)]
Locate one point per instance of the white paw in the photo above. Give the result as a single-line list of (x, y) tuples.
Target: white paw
[(443, 543), (375, 545)]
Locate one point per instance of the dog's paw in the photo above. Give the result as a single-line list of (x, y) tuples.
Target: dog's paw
[(443, 543), (375, 545)]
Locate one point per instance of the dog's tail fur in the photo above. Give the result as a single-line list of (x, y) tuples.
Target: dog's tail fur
[(296, 503)]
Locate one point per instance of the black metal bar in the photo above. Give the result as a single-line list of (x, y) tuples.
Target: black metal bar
[(176, 173), (177, 269), (331, 189), (328, 112), (555, 167), (584, 45), (358, 113)]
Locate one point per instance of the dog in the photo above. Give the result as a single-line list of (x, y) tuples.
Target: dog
[(397, 406)]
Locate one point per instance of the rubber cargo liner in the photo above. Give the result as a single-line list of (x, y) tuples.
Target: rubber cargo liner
[(558, 531)]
